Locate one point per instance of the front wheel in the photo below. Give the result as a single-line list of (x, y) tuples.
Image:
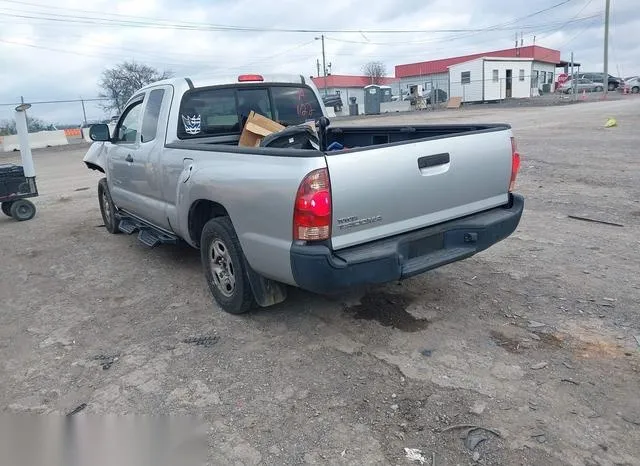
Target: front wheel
[(6, 208), (635, 90), (600, 89), (224, 266), (612, 87), (22, 210), (107, 208)]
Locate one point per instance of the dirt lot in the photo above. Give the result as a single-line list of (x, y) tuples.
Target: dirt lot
[(533, 338)]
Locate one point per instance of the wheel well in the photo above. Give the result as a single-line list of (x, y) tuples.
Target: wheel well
[(200, 213)]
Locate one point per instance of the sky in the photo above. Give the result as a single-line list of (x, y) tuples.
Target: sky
[(58, 52)]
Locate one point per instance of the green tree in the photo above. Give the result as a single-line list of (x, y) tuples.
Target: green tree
[(118, 84)]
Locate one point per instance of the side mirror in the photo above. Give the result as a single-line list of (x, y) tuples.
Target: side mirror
[(99, 133)]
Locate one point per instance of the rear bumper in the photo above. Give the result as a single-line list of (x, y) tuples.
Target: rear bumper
[(316, 268)]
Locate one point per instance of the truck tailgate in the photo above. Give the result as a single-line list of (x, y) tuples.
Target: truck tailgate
[(387, 190)]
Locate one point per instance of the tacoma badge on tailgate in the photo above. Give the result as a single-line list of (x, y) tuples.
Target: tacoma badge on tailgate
[(354, 221)]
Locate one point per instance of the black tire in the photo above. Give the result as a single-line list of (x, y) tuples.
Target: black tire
[(6, 208), (229, 286), (635, 90), (600, 89), (107, 208), (612, 87), (23, 210)]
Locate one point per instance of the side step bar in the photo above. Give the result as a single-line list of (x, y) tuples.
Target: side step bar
[(147, 234)]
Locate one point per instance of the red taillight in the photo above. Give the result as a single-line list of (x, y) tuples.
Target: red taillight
[(312, 210), (515, 164), (250, 77)]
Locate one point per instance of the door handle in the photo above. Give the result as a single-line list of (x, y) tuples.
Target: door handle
[(433, 160), (129, 158)]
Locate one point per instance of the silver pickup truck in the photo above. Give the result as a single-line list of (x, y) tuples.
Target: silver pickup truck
[(363, 205)]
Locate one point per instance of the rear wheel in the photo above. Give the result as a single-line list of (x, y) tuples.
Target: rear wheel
[(635, 90), (600, 89), (6, 208), (224, 266), (22, 210), (612, 87), (107, 208)]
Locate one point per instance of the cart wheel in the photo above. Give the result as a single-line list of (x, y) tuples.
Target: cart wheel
[(6, 208), (22, 210)]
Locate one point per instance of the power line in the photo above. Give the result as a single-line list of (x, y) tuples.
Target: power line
[(538, 27), (167, 24)]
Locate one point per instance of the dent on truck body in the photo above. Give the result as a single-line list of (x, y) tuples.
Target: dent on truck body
[(94, 158)]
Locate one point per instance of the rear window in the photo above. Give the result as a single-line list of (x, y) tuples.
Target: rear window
[(223, 111)]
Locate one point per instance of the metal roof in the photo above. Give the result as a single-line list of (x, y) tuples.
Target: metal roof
[(534, 52)]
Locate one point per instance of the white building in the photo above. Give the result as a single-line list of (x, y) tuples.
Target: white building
[(539, 64), (491, 78), (349, 86)]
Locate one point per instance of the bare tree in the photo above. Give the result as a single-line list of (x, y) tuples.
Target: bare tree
[(8, 127), (375, 71), (120, 82)]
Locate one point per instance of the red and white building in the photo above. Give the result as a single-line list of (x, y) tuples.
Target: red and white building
[(350, 86), (511, 73)]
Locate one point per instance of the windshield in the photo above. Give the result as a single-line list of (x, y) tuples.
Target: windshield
[(222, 111)]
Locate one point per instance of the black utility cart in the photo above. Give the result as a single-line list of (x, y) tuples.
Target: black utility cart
[(15, 189), (18, 183)]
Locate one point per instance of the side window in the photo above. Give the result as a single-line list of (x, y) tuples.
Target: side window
[(496, 76), (151, 115), (294, 105), (256, 100), (465, 77), (521, 77), (208, 112), (129, 126)]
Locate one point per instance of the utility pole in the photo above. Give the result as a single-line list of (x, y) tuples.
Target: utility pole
[(573, 80), (84, 112), (324, 65), (605, 82), (318, 66)]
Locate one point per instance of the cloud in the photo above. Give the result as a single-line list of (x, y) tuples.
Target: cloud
[(62, 57)]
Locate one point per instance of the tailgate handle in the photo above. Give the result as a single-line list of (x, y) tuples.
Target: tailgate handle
[(433, 160)]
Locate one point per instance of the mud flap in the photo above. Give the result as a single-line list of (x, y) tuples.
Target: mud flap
[(265, 291)]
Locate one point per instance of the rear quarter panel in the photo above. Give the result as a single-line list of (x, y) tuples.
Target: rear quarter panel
[(258, 192)]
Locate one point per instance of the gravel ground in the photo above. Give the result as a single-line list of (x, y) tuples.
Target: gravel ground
[(533, 338)]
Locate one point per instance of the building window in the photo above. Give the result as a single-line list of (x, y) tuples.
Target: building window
[(534, 79), (550, 77), (465, 77), (543, 77), (521, 75), (496, 76)]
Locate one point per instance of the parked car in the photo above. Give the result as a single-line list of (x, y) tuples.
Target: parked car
[(632, 85), (333, 100), (581, 85), (394, 202), (613, 82)]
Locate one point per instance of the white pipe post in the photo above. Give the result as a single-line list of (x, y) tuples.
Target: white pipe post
[(25, 147)]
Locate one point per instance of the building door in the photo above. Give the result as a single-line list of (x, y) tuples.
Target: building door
[(509, 83)]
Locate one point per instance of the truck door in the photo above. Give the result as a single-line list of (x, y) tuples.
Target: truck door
[(146, 168), (122, 152)]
